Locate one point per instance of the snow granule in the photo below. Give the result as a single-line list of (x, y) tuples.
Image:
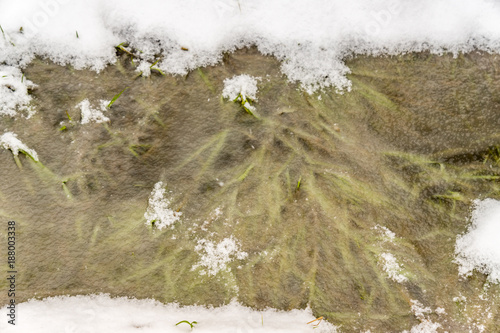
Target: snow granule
[(215, 257), (479, 248), (159, 213), (392, 267), (14, 92), (10, 141), (90, 114)]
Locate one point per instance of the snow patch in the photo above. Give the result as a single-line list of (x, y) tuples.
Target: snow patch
[(10, 141), (159, 213), (241, 88), (215, 257), (426, 325), (392, 267), (14, 92), (90, 114), (479, 248)]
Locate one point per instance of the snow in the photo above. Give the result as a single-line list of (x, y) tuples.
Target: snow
[(216, 257), (479, 248), (241, 87), (158, 210), (425, 325), (10, 141), (392, 267), (14, 92), (101, 313), (312, 38), (90, 114)]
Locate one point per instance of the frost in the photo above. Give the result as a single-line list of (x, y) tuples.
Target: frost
[(14, 92), (216, 257), (158, 213), (392, 268), (90, 114), (479, 248), (10, 141)]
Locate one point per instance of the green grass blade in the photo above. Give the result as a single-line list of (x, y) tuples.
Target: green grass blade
[(116, 97)]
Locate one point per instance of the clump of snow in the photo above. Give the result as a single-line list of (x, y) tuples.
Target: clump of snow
[(479, 248), (159, 213), (10, 141), (216, 257), (392, 267), (312, 39), (14, 92), (241, 88), (101, 313), (90, 114), (426, 325)]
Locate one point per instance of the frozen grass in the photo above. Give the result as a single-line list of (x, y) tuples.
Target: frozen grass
[(312, 39), (100, 313), (14, 92), (479, 248)]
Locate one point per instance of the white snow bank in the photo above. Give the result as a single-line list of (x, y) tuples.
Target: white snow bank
[(14, 92), (479, 248), (100, 313), (90, 114), (158, 210), (310, 37), (216, 257), (10, 141)]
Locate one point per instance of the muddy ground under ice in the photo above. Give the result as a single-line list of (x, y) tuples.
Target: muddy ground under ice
[(325, 193)]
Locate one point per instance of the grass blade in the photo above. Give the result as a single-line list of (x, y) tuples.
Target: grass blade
[(116, 97)]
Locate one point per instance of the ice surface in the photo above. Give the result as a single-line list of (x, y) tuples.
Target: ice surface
[(159, 210), (312, 38), (100, 313), (14, 92), (216, 257), (479, 248), (10, 141)]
